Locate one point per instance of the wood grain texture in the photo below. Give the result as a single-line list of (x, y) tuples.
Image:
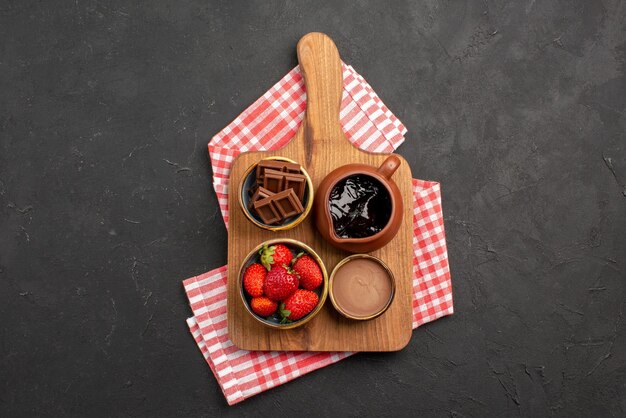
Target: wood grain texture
[(320, 146)]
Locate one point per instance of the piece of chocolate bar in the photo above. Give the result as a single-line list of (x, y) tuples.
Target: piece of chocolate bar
[(266, 210), (259, 194), (273, 180), (297, 182), (268, 165), (292, 168), (287, 203), (277, 165)]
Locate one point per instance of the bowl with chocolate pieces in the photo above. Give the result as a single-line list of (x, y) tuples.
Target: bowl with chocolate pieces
[(276, 193)]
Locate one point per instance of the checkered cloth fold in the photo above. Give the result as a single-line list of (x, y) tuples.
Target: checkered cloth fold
[(269, 123)]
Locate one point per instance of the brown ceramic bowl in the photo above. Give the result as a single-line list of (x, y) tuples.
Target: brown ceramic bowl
[(248, 180), (295, 247), (324, 220), (341, 306)]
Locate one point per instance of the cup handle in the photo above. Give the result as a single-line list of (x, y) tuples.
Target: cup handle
[(389, 166)]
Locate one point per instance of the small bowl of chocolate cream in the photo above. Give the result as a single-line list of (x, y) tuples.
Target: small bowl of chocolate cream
[(361, 287)]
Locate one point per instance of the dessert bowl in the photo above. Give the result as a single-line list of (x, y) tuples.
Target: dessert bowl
[(361, 287), (281, 215), (281, 304)]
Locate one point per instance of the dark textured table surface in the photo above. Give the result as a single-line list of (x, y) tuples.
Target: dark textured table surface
[(517, 108)]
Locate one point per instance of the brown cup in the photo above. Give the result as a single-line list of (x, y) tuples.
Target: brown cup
[(323, 218)]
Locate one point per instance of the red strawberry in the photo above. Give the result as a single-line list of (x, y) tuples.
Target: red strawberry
[(263, 306), (275, 255), (254, 279), (309, 272), (280, 283), (298, 305)]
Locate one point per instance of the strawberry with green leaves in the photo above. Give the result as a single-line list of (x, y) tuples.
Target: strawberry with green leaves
[(298, 305), (280, 283), (275, 255), (309, 271)]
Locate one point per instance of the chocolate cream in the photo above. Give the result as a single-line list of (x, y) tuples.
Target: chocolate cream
[(361, 287)]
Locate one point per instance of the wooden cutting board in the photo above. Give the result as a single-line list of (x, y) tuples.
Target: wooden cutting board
[(320, 146)]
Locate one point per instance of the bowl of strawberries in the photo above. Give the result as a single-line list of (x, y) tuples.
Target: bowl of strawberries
[(283, 283)]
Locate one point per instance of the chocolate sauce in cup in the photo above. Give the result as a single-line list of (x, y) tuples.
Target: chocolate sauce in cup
[(358, 207)]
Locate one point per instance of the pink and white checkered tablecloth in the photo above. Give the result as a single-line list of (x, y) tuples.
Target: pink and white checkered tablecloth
[(270, 123)]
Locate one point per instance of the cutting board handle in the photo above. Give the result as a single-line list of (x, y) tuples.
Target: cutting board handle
[(323, 77)]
